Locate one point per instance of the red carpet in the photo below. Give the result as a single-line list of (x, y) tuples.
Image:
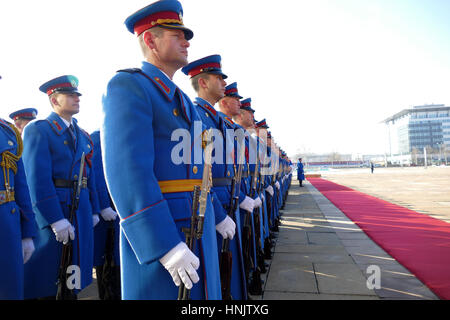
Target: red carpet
[(417, 241)]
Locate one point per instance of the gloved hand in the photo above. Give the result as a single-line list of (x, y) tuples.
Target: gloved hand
[(277, 184), (63, 230), (181, 263), (95, 220), (226, 228), (269, 189), (108, 214), (27, 249), (258, 202), (248, 204)]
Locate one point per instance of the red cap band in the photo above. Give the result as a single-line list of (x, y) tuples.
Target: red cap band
[(199, 69), (156, 19), (25, 114), (232, 90), (61, 85)]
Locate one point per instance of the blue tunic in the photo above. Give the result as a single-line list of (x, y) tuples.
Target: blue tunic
[(49, 153), (223, 168), (101, 229), (17, 221), (143, 113), (300, 172)]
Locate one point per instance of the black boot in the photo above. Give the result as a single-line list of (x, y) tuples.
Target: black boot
[(255, 285), (268, 249)]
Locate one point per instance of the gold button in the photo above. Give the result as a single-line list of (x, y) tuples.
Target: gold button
[(89, 146), (10, 142), (13, 210), (176, 113), (194, 169), (228, 173), (65, 142), (207, 115), (75, 177)]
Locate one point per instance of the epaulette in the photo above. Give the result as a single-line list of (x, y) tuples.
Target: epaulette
[(156, 80), (5, 122), (130, 70)]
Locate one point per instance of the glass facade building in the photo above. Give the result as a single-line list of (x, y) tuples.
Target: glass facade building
[(420, 127)]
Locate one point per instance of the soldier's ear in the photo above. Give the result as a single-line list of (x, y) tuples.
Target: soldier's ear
[(53, 100), (202, 83), (149, 39)]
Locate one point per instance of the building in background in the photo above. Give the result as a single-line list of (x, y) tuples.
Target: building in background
[(418, 134)]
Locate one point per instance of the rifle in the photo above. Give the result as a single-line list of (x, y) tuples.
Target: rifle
[(226, 258), (63, 292), (199, 202), (275, 195), (261, 255), (255, 285), (110, 273)]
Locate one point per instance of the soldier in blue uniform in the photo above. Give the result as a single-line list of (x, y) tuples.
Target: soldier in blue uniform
[(152, 191), (17, 219), (267, 191), (22, 117), (208, 81), (300, 172), (53, 148), (106, 233), (230, 106)]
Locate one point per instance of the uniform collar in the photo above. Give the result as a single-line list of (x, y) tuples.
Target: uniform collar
[(160, 79), (206, 105), (67, 123), (228, 120), (59, 124)]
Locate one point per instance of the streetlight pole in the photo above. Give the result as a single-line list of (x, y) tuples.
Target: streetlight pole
[(425, 156)]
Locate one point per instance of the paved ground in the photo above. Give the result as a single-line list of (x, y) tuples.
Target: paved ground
[(321, 254)]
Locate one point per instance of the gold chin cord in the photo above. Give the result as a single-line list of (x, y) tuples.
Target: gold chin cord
[(9, 161)]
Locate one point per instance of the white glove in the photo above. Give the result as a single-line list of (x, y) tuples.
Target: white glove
[(269, 189), (181, 264), (277, 184), (226, 228), (108, 214), (95, 220), (63, 230), (258, 202), (27, 249), (248, 204)]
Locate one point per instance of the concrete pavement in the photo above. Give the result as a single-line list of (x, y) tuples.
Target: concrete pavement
[(321, 254)]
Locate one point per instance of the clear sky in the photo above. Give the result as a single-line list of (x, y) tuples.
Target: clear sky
[(324, 73)]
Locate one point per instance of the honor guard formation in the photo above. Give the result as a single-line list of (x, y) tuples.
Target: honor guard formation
[(155, 217)]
